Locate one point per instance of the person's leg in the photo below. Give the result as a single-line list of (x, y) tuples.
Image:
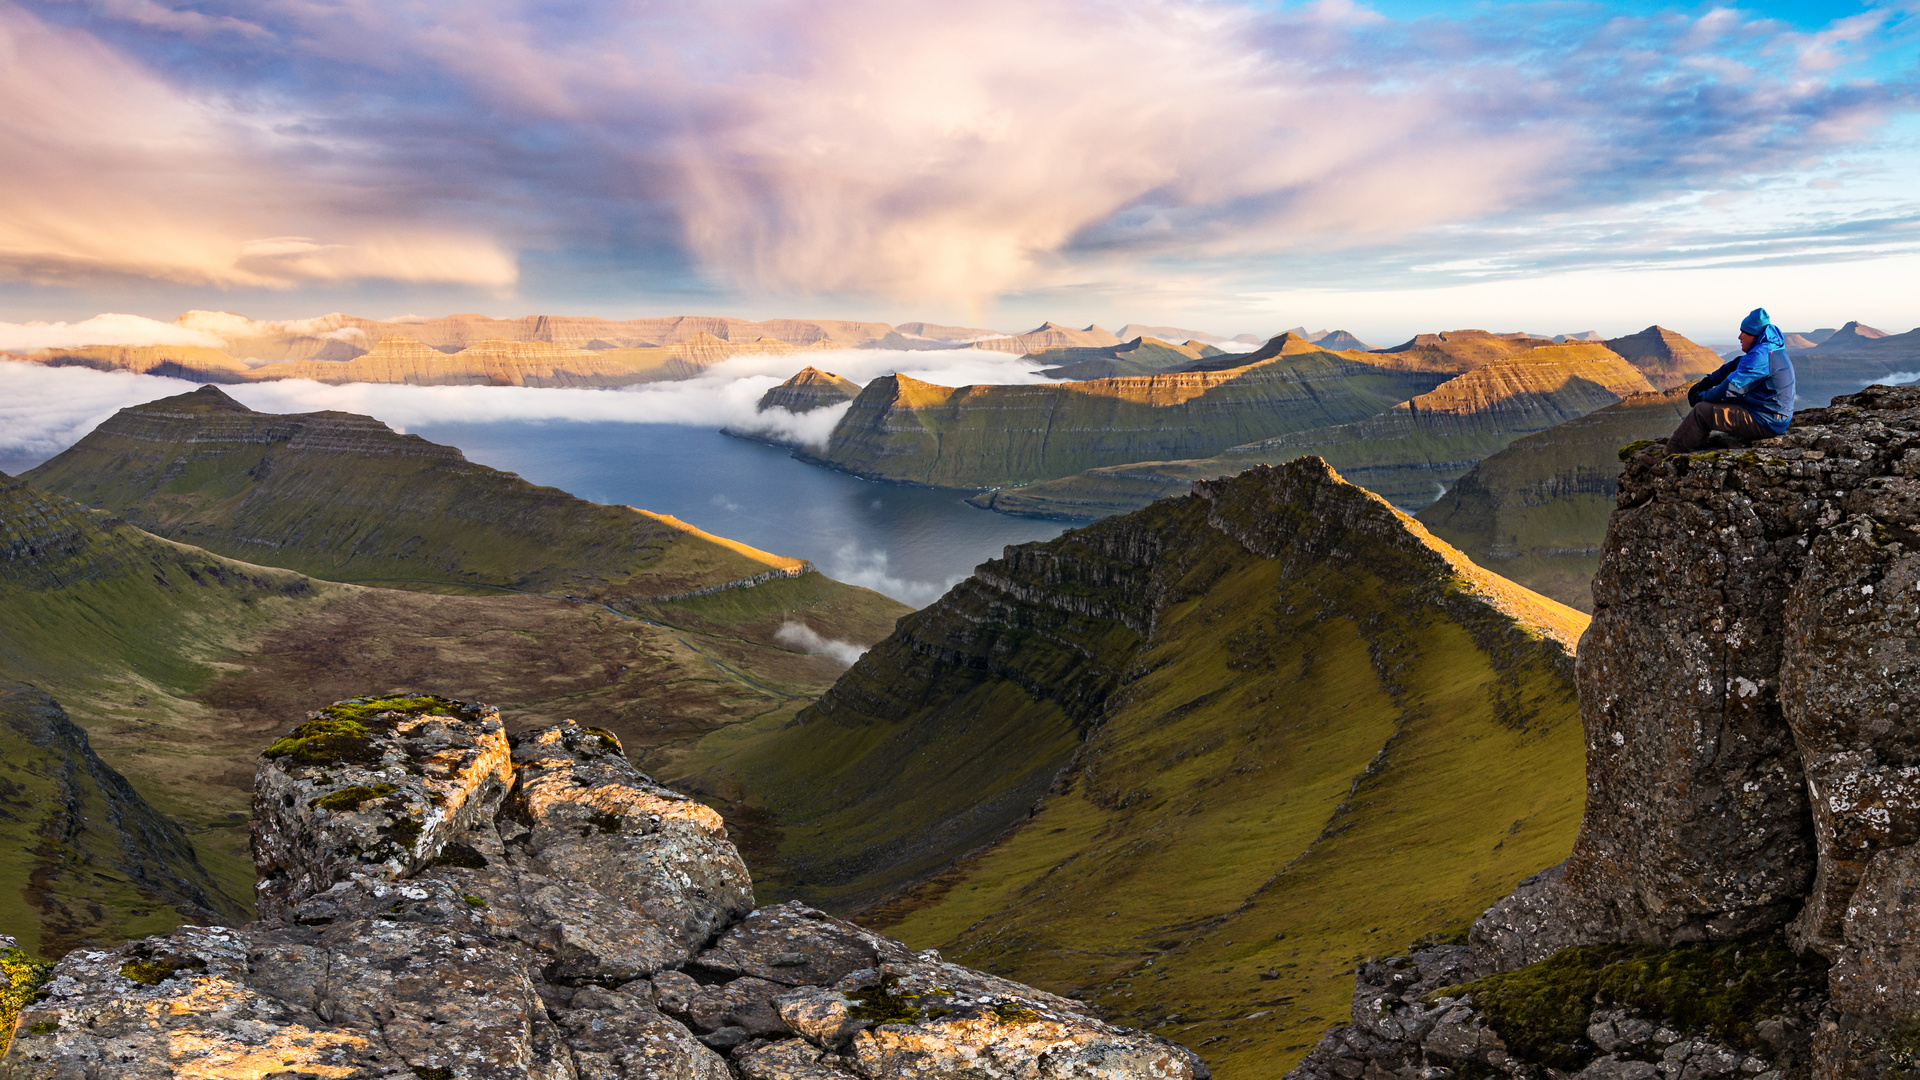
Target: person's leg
[(1711, 416)]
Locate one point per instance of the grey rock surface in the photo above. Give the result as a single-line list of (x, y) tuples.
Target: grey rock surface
[(479, 906), (1748, 688)]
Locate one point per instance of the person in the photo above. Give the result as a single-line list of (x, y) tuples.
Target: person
[(1750, 397)]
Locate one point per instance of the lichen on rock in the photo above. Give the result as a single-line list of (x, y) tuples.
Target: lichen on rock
[(442, 900)]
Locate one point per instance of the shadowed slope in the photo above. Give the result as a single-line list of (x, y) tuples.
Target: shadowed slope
[(1854, 357), (1406, 453), (981, 436), (84, 860), (1268, 699), (809, 389), (1537, 511)]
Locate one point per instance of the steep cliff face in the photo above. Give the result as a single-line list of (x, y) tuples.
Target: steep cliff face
[(1750, 773), (1266, 698), (450, 901), (88, 862), (1537, 511), (1407, 453), (344, 497), (985, 436)]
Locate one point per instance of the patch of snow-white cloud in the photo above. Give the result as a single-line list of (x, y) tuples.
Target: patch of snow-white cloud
[(806, 639), (104, 329)]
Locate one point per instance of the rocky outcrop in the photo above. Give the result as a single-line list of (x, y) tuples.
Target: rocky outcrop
[(447, 901), (1745, 690)]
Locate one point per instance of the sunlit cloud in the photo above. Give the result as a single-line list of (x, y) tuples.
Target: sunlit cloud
[(107, 329), (909, 149)]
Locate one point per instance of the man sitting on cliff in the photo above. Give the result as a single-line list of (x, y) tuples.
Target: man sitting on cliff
[(1750, 397)]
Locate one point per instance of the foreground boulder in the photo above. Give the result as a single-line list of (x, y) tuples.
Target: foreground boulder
[(445, 900), (1740, 899)]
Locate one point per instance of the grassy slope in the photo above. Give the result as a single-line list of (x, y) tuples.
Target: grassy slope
[(1537, 511), (987, 436), (1407, 453), (1315, 755), (343, 497)]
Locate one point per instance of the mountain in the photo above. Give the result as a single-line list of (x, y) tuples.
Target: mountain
[(1816, 336), (1737, 900), (1214, 749), (441, 898), (1853, 357), (1584, 335), (1407, 453), (1667, 359), (1458, 351), (1168, 333), (902, 429), (807, 390), (1139, 356), (399, 359), (344, 497), (1046, 336), (175, 660), (87, 862), (1340, 341), (1536, 512)]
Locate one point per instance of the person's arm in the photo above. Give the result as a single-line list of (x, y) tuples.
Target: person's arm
[(1699, 391), (1753, 365)]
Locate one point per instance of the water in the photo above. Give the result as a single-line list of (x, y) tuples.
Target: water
[(910, 543)]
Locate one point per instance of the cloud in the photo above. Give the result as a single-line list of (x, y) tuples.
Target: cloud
[(43, 410), (908, 148), (107, 329), (870, 569), (803, 637), (115, 171)]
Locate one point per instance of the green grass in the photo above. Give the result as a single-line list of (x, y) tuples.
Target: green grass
[(1537, 511), (20, 977), (1307, 762)]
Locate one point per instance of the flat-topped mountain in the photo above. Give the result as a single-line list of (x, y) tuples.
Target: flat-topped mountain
[(1406, 453), (1536, 512), (982, 436), (1457, 351), (1217, 747), (809, 389)]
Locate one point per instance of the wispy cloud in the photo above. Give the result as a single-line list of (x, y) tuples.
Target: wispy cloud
[(904, 148), (806, 639)]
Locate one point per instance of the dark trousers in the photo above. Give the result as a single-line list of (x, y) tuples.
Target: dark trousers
[(1710, 416)]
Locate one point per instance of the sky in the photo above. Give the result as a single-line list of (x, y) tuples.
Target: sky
[(1385, 168)]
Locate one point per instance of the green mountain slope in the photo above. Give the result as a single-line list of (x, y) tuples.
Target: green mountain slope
[(1537, 512), (985, 436), (1202, 755), (344, 497), (84, 860), (1407, 453)]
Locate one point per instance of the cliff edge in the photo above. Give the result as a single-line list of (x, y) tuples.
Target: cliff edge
[(1738, 899)]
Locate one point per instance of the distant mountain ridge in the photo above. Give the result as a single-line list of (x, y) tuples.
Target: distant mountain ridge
[(1406, 453)]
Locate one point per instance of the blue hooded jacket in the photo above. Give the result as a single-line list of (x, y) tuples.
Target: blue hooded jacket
[(1760, 379)]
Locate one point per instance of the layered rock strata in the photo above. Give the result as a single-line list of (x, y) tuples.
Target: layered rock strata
[(444, 900), (1746, 690)]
